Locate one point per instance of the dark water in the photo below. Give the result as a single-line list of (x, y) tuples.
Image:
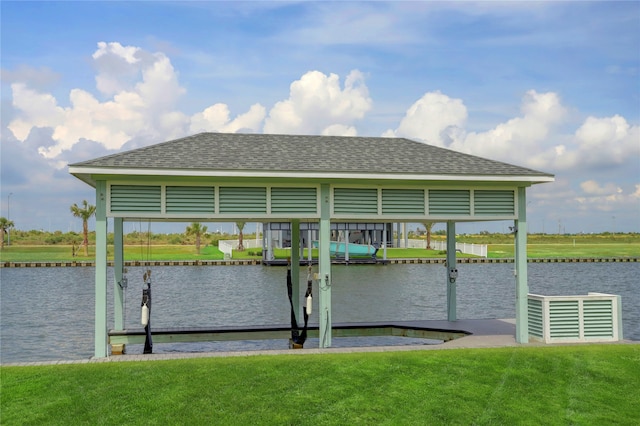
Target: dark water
[(48, 313)]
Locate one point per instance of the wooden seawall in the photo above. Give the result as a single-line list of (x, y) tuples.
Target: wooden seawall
[(245, 262)]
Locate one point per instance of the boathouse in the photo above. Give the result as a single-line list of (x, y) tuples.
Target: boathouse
[(296, 179)]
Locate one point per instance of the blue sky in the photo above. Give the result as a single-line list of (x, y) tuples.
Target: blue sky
[(554, 86)]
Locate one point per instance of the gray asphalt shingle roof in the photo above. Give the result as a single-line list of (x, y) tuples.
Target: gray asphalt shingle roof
[(299, 153)]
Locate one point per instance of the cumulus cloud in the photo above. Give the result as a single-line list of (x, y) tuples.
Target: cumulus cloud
[(521, 139), (140, 91), (318, 105), (435, 118), (218, 118)]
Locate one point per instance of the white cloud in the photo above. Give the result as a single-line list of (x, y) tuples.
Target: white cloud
[(317, 104), (142, 91), (217, 118), (523, 140), (591, 187), (435, 119)]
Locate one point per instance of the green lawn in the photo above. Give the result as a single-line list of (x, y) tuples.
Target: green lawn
[(568, 250), (580, 385), (60, 253)]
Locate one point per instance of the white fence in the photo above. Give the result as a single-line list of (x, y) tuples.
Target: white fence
[(595, 317), (475, 249), (228, 246)]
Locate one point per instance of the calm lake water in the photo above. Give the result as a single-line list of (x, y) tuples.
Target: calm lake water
[(48, 313)]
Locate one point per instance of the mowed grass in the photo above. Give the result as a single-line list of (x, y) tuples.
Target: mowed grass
[(581, 385), (59, 253), (570, 250)]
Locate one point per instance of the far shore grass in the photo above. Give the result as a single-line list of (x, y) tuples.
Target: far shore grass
[(63, 253), (559, 385)]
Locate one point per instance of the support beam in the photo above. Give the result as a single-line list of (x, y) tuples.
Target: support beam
[(452, 271), (324, 267), (384, 241), (101, 271), (119, 286), (295, 266), (346, 245), (522, 285)]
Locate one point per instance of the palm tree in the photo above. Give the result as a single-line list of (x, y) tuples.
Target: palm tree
[(240, 226), (428, 226), (85, 212), (5, 225), (198, 231)]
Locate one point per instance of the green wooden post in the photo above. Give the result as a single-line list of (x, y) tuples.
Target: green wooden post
[(324, 266), (452, 271), (522, 286), (295, 265), (118, 271), (101, 271)]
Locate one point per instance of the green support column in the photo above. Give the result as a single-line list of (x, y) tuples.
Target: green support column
[(101, 271), (452, 271), (522, 285), (295, 266), (324, 267), (118, 271)]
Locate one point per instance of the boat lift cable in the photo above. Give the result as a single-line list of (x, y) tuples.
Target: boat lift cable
[(298, 337)]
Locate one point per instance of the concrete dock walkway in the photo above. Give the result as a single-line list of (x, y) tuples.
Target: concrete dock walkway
[(487, 333)]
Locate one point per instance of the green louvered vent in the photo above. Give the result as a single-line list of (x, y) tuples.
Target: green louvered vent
[(564, 318), (294, 200), (449, 202), (493, 202), (243, 200), (402, 201), (355, 200), (598, 318), (190, 199), (136, 198), (534, 310)]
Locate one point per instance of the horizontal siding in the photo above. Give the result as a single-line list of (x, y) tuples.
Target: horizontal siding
[(294, 200), (242, 200), (564, 318), (494, 202), (355, 201), (136, 199), (403, 201), (598, 318), (449, 202), (190, 199), (534, 310)]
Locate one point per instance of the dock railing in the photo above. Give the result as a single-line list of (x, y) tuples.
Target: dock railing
[(467, 248), (595, 317)]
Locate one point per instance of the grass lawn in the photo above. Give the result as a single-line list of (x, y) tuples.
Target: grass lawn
[(582, 385), (569, 250), (61, 253)]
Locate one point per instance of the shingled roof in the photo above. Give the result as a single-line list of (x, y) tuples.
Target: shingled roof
[(299, 154)]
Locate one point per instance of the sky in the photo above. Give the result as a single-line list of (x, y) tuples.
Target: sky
[(553, 86)]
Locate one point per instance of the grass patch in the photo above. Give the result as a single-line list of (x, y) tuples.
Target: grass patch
[(568, 250), (594, 384), (59, 253)]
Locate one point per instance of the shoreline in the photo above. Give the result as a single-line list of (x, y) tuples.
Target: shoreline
[(255, 262)]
